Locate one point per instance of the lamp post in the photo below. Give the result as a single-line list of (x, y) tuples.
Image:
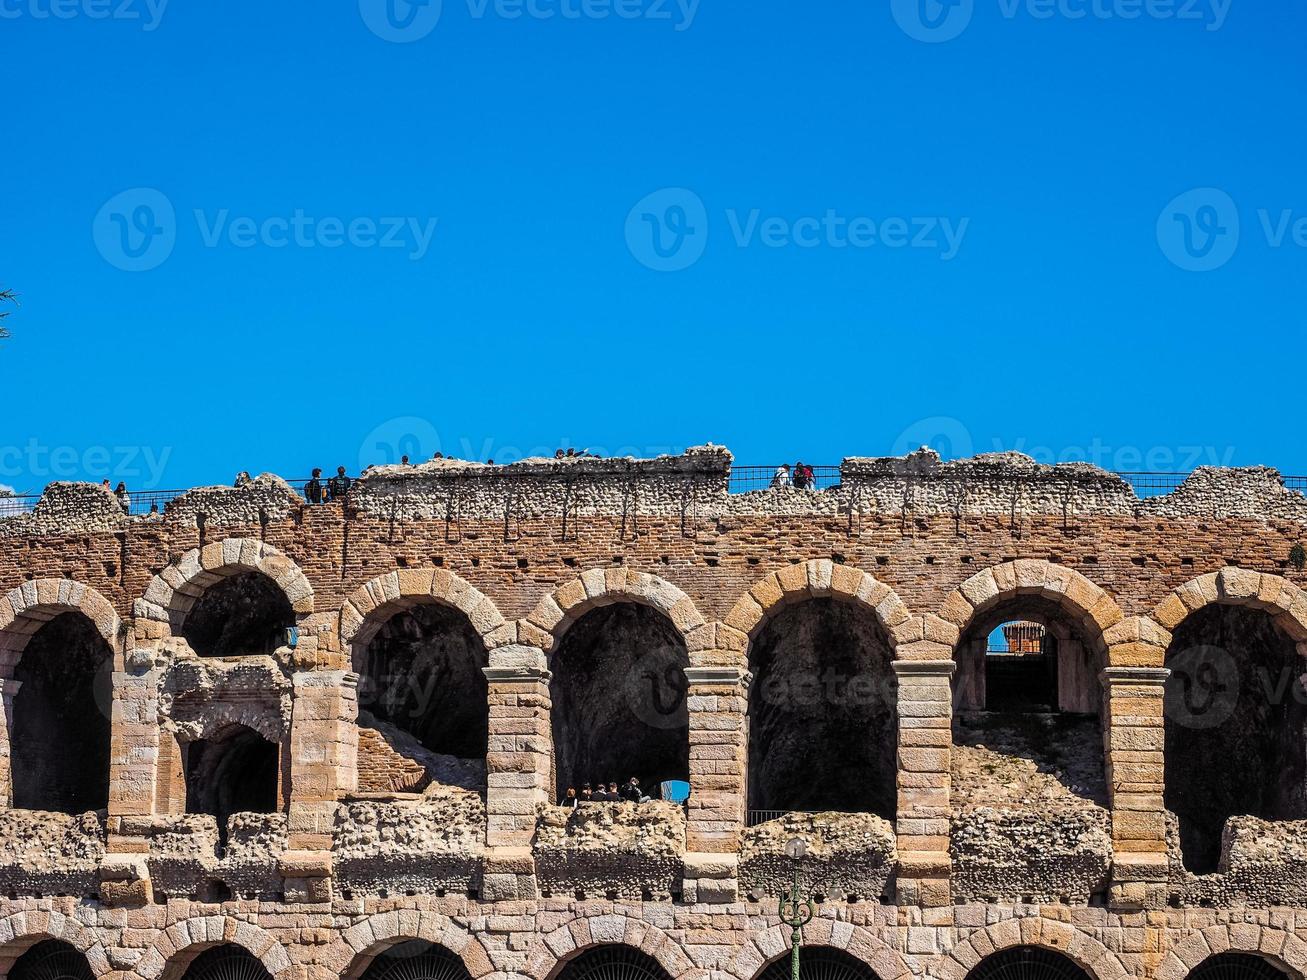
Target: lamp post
[(795, 910)]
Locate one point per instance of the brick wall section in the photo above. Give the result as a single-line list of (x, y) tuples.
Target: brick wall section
[(927, 546)]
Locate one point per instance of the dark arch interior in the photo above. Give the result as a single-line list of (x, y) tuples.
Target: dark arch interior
[(236, 771), (822, 717), (226, 962), (422, 672), (1237, 966), (613, 962), (1235, 714), (1027, 963), (51, 959), (59, 739), (619, 699), (416, 959), (819, 963), (242, 614)]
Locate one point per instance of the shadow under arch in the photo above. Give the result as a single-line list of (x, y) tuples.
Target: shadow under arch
[(50, 959), (222, 961), (619, 693), (1029, 962), (819, 963), (1238, 965), (411, 959), (610, 961)]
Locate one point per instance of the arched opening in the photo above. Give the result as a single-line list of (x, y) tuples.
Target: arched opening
[(619, 700), (51, 959), (1028, 963), (245, 613), (819, 963), (822, 716), (1237, 966), (416, 959), (59, 738), (421, 673), (1027, 688), (235, 771), (226, 962), (612, 962), (1236, 727)]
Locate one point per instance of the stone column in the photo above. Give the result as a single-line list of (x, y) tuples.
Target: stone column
[(519, 768), (925, 709), (718, 706), (8, 691), (1135, 735), (140, 776), (323, 765)]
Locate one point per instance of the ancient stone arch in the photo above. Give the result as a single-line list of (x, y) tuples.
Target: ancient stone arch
[(1081, 948), (1106, 625), (1279, 946), (1280, 598), (767, 945), (376, 601), (177, 946), (23, 930), (552, 950), (557, 611), (175, 590), (360, 944), (26, 609), (818, 578)]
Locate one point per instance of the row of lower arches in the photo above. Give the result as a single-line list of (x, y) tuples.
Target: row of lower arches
[(822, 705), (419, 960)]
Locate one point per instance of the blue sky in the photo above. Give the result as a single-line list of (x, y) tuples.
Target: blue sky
[(865, 241)]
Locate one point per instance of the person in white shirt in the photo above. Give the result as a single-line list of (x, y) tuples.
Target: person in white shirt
[(781, 478)]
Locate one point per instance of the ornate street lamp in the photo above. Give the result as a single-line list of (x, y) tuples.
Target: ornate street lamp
[(795, 910)]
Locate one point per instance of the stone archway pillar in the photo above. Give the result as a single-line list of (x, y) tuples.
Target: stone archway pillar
[(8, 691), (323, 742), (718, 706), (925, 727), (519, 768), (1135, 734)]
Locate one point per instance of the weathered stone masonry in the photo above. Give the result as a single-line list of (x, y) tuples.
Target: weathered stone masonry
[(998, 831)]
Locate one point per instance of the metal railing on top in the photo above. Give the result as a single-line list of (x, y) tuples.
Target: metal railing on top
[(743, 479)]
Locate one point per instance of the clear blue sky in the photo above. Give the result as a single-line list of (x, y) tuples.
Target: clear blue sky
[(539, 312)]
